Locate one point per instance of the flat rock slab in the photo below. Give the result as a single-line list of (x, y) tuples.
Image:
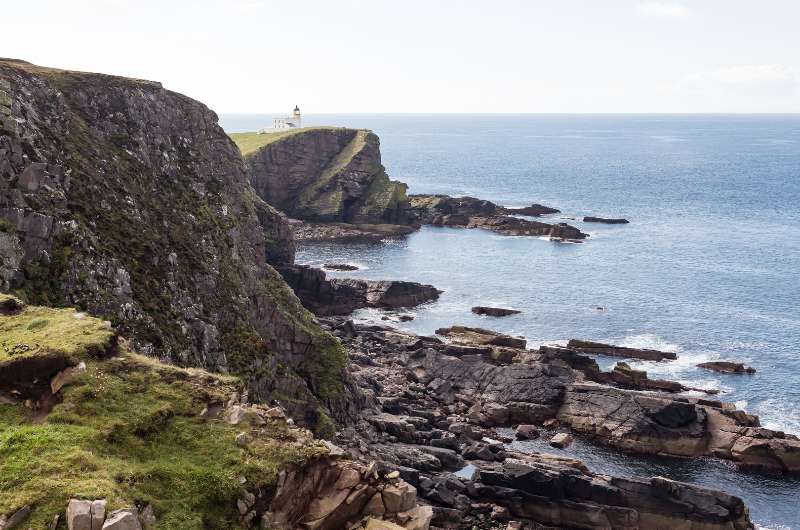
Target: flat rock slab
[(585, 346), (727, 367), (618, 221), (481, 337), (340, 267), (534, 210), (494, 311)]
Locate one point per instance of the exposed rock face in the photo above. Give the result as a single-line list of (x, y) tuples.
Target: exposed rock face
[(446, 210), (727, 367), (341, 232), (658, 424), (340, 267), (328, 174), (333, 494), (513, 226), (129, 201), (590, 219), (341, 296), (537, 387), (437, 408), (552, 493), (585, 346), (534, 210), (622, 376), (480, 336), (470, 212), (561, 440), (494, 311)]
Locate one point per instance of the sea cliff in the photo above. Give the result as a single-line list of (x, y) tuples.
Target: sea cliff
[(324, 174), (128, 201)]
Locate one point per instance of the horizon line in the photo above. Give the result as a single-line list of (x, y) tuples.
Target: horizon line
[(733, 113)]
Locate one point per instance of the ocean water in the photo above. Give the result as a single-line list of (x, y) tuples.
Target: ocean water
[(708, 267)]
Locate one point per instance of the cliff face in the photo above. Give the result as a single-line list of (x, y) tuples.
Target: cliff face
[(324, 174), (129, 201)]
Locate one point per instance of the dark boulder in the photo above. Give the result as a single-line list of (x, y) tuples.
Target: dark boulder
[(340, 267), (534, 210), (604, 220), (599, 348), (480, 337), (727, 367), (494, 311), (341, 296)]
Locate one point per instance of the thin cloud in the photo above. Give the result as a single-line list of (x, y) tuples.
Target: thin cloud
[(742, 88), (657, 8), (751, 74)]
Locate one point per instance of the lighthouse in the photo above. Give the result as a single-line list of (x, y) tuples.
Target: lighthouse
[(287, 122)]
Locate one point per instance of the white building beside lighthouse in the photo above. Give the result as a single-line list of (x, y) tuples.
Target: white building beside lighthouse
[(288, 122)]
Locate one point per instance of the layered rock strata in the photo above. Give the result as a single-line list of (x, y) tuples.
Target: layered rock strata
[(438, 404), (327, 174), (598, 348), (341, 296), (469, 212)]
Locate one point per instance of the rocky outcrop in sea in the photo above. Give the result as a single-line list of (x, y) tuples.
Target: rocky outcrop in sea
[(437, 406)]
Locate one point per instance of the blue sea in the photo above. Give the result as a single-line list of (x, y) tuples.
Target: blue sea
[(708, 266)]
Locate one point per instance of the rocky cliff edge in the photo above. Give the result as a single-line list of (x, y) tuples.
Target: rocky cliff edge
[(327, 174), (128, 201)]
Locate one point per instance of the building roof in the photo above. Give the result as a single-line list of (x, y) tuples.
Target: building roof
[(296, 108)]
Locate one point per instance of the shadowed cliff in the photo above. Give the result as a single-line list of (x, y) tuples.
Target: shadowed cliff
[(324, 174)]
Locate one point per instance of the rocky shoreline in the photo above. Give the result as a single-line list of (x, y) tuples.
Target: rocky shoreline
[(435, 406)]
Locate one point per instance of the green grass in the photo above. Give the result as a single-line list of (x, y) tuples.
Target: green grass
[(249, 142), (129, 430), (44, 331)]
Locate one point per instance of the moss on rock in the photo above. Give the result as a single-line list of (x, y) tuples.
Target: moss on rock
[(324, 174), (130, 430)]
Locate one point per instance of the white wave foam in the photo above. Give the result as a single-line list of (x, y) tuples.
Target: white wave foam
[(741, 404), (772, 527), (683, 369), (649, 341), (779, 415)]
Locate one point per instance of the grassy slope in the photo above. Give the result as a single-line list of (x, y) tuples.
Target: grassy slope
[(129, 430), (44, 330), (248, 142), (330, 202)]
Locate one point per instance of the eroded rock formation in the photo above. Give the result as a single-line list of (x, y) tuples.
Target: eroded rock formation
[(327, 174), (341, 296), (469, 212), (585, 346), (438, 404)]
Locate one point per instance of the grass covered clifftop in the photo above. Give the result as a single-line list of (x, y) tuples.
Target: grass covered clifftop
[(328, 174), (249, 142), (133, 431)]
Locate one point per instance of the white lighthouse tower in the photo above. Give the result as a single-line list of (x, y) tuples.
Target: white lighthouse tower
[(296, 116)]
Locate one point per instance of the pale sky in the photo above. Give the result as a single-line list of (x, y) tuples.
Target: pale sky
[(563, 56)]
